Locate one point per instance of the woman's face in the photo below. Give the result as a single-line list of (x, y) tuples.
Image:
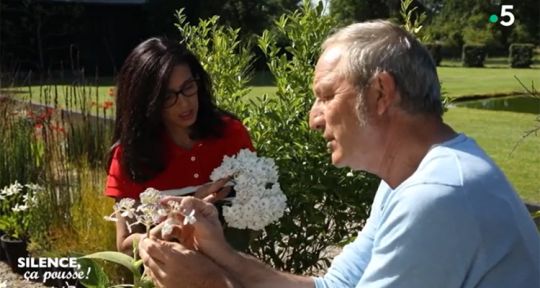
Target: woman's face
[(181, 104)]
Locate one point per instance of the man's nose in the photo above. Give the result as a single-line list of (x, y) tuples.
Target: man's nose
[(316, 119)]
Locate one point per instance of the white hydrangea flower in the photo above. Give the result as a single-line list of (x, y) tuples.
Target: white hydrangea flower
[(150, 212), (168, 227), (259, 200), (150, 196), (174, 206), (190, 218)]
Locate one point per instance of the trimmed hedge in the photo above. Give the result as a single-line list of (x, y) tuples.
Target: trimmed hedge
[(521, 55), (473, 55), (436, 52)]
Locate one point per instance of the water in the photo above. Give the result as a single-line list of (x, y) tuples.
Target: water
[(522, 104)]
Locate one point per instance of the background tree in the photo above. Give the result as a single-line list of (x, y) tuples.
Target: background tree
[(349, 11), (458, 22), (26, 37), (252, 17)]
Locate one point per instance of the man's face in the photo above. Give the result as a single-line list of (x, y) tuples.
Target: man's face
[(335, 111)]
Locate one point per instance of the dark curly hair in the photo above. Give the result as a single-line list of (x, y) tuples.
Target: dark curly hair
[(140, 97)]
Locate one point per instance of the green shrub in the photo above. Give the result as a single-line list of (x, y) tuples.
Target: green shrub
[(326, 207), (521, 55), (223, 56), (473, 55)]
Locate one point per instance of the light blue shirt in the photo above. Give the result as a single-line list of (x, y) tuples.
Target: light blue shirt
[(455, 222)]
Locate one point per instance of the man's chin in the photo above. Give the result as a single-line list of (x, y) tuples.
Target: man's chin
[(338, 162)]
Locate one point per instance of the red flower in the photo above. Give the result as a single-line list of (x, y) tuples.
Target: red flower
[(111, 92), (107, 104), (58, 128)]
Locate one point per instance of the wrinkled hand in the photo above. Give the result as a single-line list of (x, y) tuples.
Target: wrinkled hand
[(206, 233), (171, 264), (182, 235), (214, 191)]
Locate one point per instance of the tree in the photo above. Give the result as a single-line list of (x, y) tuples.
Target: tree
[(26, 37), (252, 17), (349, 11), (456, 22)]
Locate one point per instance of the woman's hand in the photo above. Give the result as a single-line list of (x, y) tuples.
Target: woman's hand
[(214, 191)]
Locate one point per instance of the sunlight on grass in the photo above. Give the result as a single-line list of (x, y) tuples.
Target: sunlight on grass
[(258, 91), (460, 81), (498, 133)]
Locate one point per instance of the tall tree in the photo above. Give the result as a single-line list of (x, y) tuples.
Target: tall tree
[(349, 11), (251, 16), (457, 22), (26, 38)]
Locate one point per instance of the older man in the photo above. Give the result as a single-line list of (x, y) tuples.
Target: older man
[(444, 214)]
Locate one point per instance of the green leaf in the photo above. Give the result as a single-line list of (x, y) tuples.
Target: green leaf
[(97, 278), (116, 257)]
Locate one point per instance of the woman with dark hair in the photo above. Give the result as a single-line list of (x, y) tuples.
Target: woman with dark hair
[(168, 134)]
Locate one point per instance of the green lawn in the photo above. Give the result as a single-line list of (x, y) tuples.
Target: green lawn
[(456, 82), (460, 81), (63, 96), (498, 133)]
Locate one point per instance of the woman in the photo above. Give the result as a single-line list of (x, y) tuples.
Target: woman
[(168, 134)]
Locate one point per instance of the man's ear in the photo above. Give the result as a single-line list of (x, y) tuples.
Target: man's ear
[(386, 92)]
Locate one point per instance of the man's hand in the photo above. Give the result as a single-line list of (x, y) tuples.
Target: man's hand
[(206, 233), (170, 264)]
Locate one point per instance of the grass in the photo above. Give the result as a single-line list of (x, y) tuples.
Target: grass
[(62, 95), (499, 133), (460, 82), (457, 82)]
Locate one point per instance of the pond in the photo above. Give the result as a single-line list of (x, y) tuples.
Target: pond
[(522, 104)]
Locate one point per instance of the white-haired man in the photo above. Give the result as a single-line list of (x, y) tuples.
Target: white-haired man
[(444, 214)]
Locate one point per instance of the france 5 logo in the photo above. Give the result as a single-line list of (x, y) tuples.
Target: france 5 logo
[(506, 16)]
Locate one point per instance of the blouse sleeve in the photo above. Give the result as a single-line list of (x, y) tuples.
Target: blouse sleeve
[(237, 138), (118, 184)]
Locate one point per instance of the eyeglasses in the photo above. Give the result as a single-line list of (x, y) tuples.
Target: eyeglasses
[(188, 90)]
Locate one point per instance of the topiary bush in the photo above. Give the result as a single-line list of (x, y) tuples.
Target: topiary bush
[(521, 55), (326, 206), (473, 55)]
